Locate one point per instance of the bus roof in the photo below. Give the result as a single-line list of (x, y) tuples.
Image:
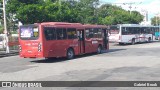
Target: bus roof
[(95, 26), (134, 25), (60, 23)]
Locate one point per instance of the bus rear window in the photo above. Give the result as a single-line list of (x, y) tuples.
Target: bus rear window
[(114, 30), (29, 32)]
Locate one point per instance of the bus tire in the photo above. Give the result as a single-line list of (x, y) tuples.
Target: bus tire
[(70, 54), (99, 49), (121, 43), (133, 41), (149, 39)]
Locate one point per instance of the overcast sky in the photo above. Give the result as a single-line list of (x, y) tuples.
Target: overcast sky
[(152, 6)]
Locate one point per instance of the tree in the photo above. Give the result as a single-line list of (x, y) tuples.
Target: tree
[(155, 21), (87, 11), (30, 14), (27, 2), (15, 9), (81, 11), (136, 17), (116, 15)]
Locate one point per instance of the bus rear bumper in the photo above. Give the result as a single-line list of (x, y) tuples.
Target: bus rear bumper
[(31, 55)]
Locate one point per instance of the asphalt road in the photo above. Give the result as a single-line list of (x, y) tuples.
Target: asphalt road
[(138, 62)]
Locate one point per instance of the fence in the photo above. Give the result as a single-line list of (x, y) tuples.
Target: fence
[(13, 42)]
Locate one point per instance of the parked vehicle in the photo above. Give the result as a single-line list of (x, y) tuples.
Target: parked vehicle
[(131, 33), (59, 39)]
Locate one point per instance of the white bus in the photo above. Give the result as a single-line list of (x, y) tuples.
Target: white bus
[(131, 33)]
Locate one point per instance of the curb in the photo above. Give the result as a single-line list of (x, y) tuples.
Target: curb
[(9, 54)]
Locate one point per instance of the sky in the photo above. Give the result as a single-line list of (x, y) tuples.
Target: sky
[(151, 6)]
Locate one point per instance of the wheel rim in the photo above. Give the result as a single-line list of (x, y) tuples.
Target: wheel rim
[(99, 49), (133, 42), (149, 40), (70, 54)]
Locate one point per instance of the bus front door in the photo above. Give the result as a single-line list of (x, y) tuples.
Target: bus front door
[(81, 41), (105, 39)]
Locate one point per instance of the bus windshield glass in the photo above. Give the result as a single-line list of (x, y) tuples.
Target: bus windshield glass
[(29, 32), (114, 29)]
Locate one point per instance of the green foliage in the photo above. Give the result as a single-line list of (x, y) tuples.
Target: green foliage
[(82, 11), (27, 2), (31, 13), (1, 29), (136, 17), (116, 15), (155, 21), (12, 6)]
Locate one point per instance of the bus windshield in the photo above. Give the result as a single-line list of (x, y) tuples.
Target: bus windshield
[(29, 32), (114, 29)]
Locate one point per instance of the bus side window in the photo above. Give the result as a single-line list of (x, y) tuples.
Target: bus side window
[(143, 29), (100, 33), (124, 31), (95, 33), (61, 33), (91, 33), (50, 33), (71, 32), (87, 33), (79, 34)]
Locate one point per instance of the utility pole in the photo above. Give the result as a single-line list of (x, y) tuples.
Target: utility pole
[(5, 27)]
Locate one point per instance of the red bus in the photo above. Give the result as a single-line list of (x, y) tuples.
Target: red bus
[(59, 39)]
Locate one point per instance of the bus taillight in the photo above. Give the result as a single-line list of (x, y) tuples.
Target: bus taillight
[(39, 47)]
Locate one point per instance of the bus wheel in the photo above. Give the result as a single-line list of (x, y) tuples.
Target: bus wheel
[(121, 43), (149, 39), (70, 54), (99, 49), (133, 41)]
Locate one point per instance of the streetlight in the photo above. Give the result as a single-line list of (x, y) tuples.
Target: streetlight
[(5, 27)]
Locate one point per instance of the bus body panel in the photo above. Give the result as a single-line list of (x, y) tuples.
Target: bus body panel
[(114, 38), (92, 45), (127, 38), (44, 47), (138, 38), (157, 35), (29, 48), (59, 48), (128, 32)]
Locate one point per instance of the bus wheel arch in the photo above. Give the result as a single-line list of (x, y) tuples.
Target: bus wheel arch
[(70, 53), (120, 43), (133, 41), (99, 49), (149, 39)]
